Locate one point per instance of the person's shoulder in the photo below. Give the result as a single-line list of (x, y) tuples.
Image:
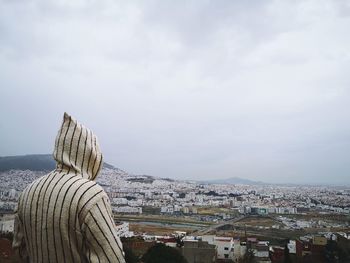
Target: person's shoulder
[(89, 185), (92, 194)]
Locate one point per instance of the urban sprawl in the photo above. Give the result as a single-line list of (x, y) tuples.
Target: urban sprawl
[(213, 222)]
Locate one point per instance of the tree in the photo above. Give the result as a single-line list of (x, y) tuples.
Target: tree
[(161, 253), (331, 251), (286, 254), (130, 257)]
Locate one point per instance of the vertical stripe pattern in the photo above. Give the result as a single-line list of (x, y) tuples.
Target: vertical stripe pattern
[(64, 216)]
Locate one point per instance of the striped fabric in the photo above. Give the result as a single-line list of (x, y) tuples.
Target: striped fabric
[(65, 216)]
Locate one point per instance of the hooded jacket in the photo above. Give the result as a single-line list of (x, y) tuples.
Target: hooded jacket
[(65, 216)]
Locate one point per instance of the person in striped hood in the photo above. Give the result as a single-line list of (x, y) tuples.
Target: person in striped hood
[(65, 216)]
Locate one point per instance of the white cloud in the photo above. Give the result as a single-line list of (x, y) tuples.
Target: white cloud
[(184, 89)]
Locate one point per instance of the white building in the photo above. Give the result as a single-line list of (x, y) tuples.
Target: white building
[(262, 249), (224, 247), (123, 229), (167, 209), (292, 246), (7, 225), (185, 210), (127, 210)]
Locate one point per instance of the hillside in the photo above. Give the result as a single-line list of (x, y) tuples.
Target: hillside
[(45, 163), (33, 162)]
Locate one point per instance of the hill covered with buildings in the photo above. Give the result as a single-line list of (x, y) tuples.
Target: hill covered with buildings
[(32, 162)]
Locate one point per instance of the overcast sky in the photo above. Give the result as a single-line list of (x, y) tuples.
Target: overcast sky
[(183, 89)]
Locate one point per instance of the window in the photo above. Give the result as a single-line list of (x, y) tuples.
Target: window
[(226, 248), (226, 255)]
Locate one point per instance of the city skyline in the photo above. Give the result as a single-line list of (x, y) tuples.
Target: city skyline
[(195, 90)]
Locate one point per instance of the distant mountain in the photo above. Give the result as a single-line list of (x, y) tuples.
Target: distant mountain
[(233, 180), (33, 162)]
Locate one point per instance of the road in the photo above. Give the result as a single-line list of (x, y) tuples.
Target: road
[(207, 230)]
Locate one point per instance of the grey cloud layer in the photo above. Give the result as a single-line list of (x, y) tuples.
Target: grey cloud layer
[(195, 89)]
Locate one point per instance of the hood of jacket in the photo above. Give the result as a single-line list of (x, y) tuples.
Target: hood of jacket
[(77, 149)]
